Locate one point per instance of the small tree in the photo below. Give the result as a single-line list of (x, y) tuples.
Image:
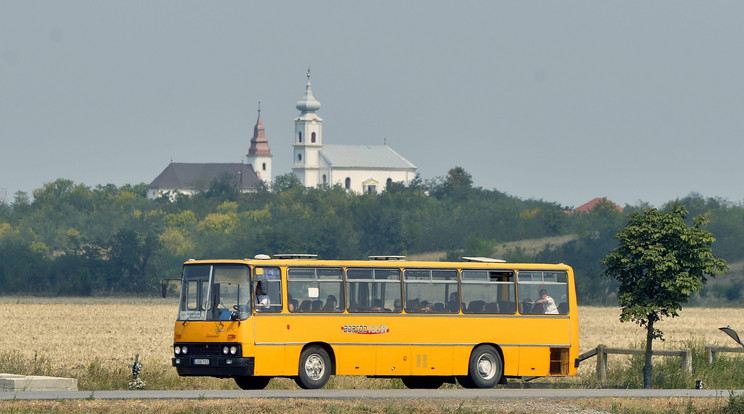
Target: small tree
[(659, 263)]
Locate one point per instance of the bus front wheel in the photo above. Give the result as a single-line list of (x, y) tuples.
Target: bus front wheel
[(315, 368), (252, 383), (485, 368)]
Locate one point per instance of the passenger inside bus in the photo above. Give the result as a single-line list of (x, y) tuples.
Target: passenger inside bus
[(306, 306), (292, 304), (545, 304), (262, 299), (453, 305), (330, 305)]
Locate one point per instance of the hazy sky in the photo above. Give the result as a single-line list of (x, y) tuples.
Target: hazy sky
[(556, 100)]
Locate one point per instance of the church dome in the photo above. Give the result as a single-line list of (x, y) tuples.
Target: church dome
[(308, 103)]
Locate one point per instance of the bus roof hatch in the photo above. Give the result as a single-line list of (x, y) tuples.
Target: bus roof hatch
[(295, 256), (484, 260), (387, 258)]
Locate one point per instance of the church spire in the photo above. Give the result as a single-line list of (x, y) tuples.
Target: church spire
[(259, 154), (259, 142), (308, 103)]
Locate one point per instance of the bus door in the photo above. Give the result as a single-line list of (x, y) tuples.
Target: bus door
[(270, 334)]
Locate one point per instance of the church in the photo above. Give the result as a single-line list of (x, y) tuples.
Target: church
[(191, 178), (358, 168), (363, 169)]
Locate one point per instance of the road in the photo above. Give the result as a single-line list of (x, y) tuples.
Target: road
[(456, 394)]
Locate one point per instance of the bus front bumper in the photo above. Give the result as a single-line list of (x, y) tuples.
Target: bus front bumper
[(213, 366)]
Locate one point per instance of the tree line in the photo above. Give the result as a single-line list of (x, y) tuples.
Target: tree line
[(71, 239)]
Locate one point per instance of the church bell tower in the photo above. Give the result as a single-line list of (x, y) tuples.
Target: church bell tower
[(308, 139), (259, 153)]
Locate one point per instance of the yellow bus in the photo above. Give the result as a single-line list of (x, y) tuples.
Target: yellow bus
[(477, 322)]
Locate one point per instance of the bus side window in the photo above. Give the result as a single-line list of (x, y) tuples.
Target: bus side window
[(373, 290), (271, 284), (428, 290), (488, 291), (543, 292), (315, 289)]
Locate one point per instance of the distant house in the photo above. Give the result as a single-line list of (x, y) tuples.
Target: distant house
[(191, 178), (587, 207)]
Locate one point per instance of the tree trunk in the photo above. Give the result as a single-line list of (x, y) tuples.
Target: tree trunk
[(649, 353)]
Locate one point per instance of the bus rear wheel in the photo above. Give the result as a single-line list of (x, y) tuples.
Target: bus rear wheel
[(485, 368), (422, 382), (315, 368), (252, 383)]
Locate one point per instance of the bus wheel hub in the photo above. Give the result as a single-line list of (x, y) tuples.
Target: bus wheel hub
[(314, 367)]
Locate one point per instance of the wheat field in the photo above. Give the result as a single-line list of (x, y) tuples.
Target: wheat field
[(72, 332)]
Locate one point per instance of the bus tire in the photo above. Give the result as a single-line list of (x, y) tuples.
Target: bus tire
[(315, 368), (422, 382), (252, 383), (485, 368), (465, 381)]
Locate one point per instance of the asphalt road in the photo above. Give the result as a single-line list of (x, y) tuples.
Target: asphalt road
[(457, 394)]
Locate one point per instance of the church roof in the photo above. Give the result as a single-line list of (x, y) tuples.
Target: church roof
[(364, 156), (191, 175), (259, 142)]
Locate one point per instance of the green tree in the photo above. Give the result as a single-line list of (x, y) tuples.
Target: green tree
[(659, 263), (456, 185), (285, 182)]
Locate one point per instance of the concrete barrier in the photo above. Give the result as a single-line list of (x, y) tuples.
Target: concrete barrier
[(12, 382)]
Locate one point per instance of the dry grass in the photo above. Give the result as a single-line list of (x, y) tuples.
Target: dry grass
[(253, 405), (600, 325), (70, 333)]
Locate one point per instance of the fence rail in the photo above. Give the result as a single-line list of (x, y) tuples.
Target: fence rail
[(601, 352), (711, 351)]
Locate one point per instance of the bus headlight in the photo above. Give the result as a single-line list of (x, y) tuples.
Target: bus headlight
[(225, 350), (177, 350), (184, 349), (233, 350)]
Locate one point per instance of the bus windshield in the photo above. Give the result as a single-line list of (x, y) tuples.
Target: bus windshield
[(215, 292)]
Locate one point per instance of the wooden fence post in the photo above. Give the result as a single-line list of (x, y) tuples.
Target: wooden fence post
[(601, 363), (709, 355), (687, 361)]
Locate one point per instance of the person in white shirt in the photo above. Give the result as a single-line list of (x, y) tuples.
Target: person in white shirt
[(550, 307), (262, 299)]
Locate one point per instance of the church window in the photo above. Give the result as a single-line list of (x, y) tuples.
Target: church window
[(299, 157), (388, 182), (263, 166), (325, 179), (347, 183), (299, 136), (312, 137)]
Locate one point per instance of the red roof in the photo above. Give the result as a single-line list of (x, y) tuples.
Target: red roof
[(585, 208)]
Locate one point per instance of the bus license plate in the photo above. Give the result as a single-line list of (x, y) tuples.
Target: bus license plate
[(201, 361)]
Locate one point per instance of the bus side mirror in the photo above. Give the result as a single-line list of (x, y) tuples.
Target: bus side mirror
[(164, 285)]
